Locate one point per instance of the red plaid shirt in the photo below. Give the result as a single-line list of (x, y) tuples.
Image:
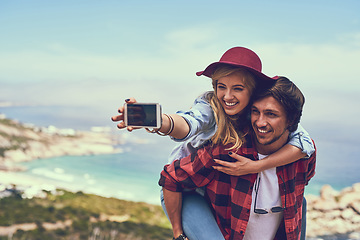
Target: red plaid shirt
[(230, 196)]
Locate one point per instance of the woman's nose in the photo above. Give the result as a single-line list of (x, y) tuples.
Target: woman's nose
[(228, 95)]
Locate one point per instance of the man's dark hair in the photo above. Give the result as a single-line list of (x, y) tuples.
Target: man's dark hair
[(289, 96)]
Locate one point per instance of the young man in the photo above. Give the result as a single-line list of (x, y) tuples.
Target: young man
[(254, 206)]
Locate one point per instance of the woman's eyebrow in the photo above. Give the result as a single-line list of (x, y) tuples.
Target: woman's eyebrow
[(239, 85)]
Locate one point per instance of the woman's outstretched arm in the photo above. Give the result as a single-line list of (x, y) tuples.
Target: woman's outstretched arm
[(180, 126)]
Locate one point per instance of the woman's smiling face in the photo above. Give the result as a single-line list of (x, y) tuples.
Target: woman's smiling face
[(232, 93)]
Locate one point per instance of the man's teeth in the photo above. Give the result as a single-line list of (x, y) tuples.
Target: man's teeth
[(261, 131), (230, 104)]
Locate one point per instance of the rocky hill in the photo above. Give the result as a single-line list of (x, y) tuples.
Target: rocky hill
[(334, 214), (21, 142)]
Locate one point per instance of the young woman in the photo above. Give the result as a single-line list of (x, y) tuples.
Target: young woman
[(220, 116)]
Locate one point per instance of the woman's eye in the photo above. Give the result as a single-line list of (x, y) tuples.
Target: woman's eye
[(239, 89)]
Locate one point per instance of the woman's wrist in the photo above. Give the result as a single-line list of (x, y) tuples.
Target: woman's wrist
[(167, 126), (260, 165), (171, 124)]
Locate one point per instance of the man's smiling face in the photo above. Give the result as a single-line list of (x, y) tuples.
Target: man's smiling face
[(269, 123)]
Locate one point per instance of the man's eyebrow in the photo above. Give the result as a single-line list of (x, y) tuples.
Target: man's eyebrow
[(267, 110), (272, 111)]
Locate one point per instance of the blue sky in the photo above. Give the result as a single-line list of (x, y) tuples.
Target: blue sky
[(97, 53), (94, 54)]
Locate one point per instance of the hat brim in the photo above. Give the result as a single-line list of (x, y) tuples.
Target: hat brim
[(211, 68)]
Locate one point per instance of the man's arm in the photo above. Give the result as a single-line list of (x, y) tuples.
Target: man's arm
[(173, 204), (190, 172)]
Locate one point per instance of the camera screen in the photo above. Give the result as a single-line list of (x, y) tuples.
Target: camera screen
[(142, 115)]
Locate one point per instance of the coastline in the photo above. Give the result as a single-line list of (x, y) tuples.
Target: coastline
[(332, 213), (24, 142)]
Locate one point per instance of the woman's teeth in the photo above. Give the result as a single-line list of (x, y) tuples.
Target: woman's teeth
[(230, 104)]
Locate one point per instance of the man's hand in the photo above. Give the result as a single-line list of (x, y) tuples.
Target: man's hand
[(241, 166), (181, 237)]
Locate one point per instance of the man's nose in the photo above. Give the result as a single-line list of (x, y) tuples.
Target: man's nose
[(261, 121)]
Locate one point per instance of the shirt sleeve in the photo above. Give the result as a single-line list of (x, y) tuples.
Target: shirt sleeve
[(190, 172), (311, 166), (199, 118), (301, 139)]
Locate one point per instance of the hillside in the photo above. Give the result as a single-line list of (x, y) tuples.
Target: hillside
[(60, 214), (64, 215)]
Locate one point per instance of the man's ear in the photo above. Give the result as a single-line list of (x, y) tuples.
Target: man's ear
[(291, 125)]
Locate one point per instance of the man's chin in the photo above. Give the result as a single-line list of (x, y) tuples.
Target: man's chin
[(263, 141)]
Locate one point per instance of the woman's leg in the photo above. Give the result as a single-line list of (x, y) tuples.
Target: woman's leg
[(197, 218), (303, 221)]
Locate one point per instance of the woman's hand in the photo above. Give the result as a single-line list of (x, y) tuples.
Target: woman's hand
[(120, 118), (241, 166)]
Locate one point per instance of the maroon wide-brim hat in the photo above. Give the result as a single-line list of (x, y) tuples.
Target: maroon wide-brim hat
[(240, 57)]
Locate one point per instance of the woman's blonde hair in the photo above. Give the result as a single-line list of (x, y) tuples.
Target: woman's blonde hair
[(230, 128)]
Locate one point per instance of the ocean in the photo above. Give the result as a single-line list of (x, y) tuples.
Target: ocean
[(133, 174)]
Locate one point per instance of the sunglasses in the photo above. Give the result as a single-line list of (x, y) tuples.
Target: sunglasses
[(273, 209)]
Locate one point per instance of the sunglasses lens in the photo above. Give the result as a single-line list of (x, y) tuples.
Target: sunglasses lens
[(260, 211), (277, 209)]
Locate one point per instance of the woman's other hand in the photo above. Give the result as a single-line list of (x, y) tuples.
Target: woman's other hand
[(241, 166)]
